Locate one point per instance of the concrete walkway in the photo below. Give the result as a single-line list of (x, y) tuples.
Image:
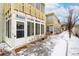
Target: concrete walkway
[(61, 47)]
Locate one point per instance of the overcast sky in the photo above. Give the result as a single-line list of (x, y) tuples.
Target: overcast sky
[(60, 9)]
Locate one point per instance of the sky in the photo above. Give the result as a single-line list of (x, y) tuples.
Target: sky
[(60, 9)]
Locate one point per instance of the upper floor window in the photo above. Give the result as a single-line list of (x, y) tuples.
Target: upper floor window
[(32, 4), (42, 7), (38, 5)]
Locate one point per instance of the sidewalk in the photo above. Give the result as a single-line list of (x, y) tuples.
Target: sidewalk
[(60, 48)]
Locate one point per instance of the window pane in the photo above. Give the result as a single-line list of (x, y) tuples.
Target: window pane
[(30, 28), (37, 29), (20, 25), (20, 34), (20, 29), (42, 29), (8, 28)]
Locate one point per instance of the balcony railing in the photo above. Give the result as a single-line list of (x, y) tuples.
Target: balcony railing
[(28, 9), (37, 13), (32, 11)]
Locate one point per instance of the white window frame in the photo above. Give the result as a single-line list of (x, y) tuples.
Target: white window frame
[(7, 30), (27, 27)]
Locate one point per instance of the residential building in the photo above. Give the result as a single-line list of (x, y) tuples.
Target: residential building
[(22, 23), (52, 23)]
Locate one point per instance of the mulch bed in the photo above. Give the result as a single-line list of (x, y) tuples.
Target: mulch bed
[(31, 44)]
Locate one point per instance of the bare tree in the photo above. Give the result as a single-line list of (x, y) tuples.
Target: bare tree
[(72, 19)]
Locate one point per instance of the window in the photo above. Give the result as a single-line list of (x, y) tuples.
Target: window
[(37, 29), (20, 29), (50, 28), (42, 29), (38, 6), (30, 28), (42, 7), (32, 4), (8, 28)]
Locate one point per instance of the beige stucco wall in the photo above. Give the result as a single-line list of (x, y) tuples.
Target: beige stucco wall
[(1, 21)]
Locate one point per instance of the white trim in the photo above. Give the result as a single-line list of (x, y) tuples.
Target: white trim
[(40, 29), (30, 21), (17, 41), (34, 28)]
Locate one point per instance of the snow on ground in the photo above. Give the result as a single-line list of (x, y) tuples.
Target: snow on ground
[(73, 49), (55, 46), (41, 49), (52, 46), (60, 48), (5, 46), (6, 49)]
